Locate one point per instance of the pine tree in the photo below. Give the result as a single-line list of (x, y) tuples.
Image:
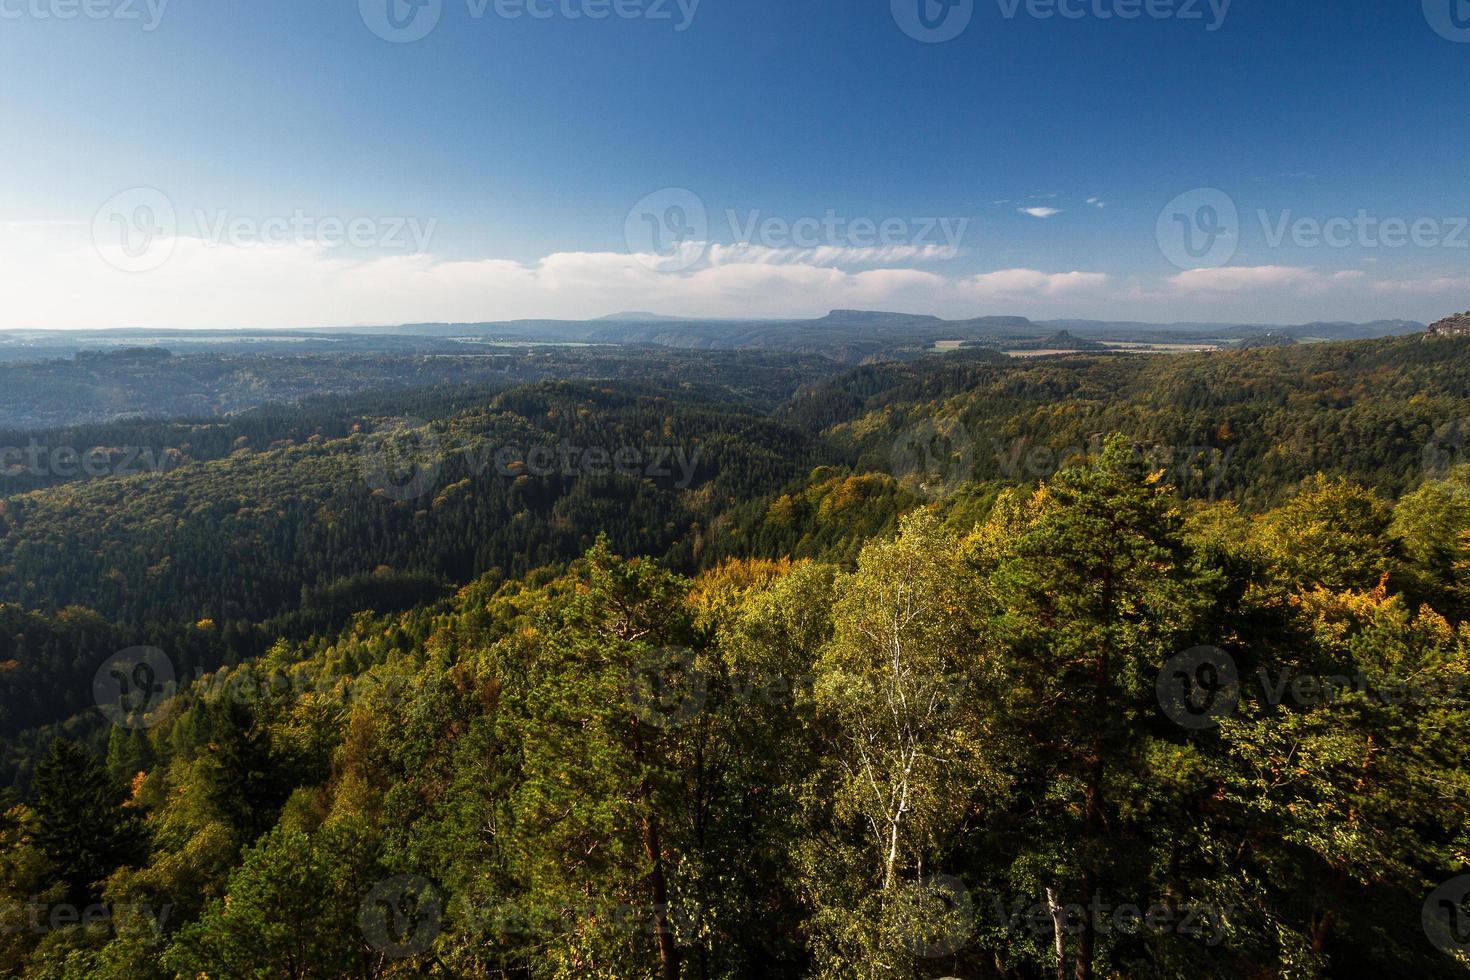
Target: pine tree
[(1096, 592), (82, 827)]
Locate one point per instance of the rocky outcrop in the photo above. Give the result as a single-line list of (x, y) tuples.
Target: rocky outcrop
[(1453, 326)]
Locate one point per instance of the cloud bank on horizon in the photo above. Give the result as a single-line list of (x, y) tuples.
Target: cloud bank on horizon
[(70, 284)]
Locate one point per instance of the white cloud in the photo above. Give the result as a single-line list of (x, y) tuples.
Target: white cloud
[(1233, 278), (833, 255), (1097, 202), (1310, 293), (52, 277), (1022, 282), (1040, 212)]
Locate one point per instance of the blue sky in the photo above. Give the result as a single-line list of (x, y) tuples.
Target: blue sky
[(491, 166)]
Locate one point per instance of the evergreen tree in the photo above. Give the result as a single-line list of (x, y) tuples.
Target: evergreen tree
[(81, 824), (1095, 591)]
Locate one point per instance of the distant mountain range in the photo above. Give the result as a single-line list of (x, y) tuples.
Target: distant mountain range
[(856, 335), (851, 336), (637, 318)]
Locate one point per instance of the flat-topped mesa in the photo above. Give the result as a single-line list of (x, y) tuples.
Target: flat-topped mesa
[(1451, 326)]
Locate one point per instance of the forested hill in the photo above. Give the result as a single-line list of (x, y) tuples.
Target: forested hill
[(284, 498), (958, 756), (527, 477), (1245, 425), (56, 379), (388, 639), (199, 383), (286, 519)]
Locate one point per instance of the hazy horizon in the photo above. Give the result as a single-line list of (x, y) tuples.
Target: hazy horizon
[(674, 318)]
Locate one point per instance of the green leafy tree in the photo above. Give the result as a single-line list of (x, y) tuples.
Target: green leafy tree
[(902, 693), (1333, 532), (1431, 526), (1349, 781), (293, 909)]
